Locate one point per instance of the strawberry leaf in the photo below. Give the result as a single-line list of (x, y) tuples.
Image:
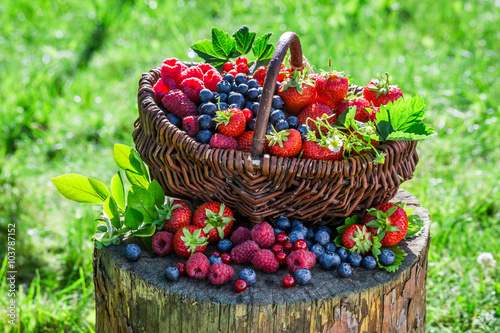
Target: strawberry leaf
[(415, 224), (400, 256), (376, 247), (244, 40), (262, 50), (340, 230)]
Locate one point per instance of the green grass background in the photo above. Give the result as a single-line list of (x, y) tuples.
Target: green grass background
[(69, 72)]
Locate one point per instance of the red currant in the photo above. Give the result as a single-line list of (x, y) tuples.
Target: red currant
[(242, 68), (233, 72), (281, 257), (288, 281), (300, 244), (240, 285), (226, 258), (288, 247), (241, 60), (181, 267), (227, 66), (215, 253), (277, 248), (281, 238)]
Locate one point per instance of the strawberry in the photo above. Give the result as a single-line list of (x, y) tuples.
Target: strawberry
[(381, 91), (260, 75), (245, 141), (284, 74), (215, 218), (357, 239), (388, 222), (286, 143), (189, 240), (230, 122), (331, 88), (315, 111), (361, 104), (179, 104), (314, 151), (297, 93), (175, 215)]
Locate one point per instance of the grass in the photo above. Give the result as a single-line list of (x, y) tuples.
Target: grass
[(68, 92)]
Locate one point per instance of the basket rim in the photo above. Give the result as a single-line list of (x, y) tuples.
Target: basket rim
[(147, 96)]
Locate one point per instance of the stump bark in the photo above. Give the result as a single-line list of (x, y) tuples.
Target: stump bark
[(135, 297)]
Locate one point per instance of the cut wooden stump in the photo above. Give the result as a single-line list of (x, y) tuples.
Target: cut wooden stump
[(135, 297)]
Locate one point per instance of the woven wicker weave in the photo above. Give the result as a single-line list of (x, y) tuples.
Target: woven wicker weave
[(267, 186)]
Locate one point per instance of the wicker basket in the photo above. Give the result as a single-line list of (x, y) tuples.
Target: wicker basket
[(262, 186)]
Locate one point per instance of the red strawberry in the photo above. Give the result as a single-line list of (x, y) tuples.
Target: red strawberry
[(314, 151), (230, 122), (373, 114), (171, 68), (205, 67), (190, 72), (283, 74), (297, 93), (381, 91), (245, 141), (341, 107), (192, 87), (357, 238), (331, 88), (179, 104), (388, 221), (315, 111), (215, 218), (211, 78), (260, 75), (176, 214), (361, 104), (222, 141), (286, 143), (189, 240)]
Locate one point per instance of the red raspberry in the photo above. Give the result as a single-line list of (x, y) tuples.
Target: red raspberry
[(245, 141), (179, 104), (190, 72), (160, 89), (233, 72), (205, 67), (170, 83), (248, 114), (190, 125), (243, 253), (242, 68), (162, 243), (263, 234), (171, 68), (198, 266), (220, 273), (240, 235), (241, 60), (300, 259), (260, 74), (266, 261), (192, 87), (222, 141), (211, 78), (228, 66)]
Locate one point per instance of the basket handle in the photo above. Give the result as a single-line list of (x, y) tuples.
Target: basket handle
[(287, 40)]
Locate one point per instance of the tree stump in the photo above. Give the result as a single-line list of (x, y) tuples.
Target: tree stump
[(135, 297)]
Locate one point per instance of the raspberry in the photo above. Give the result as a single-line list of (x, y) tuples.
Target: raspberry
[(245, 141), (248, 114), (190, 125), (300, 259), (162, 243), (220, 273), (171, 68), (205, 67), (228, 66), (243, 253), (170, 83), (198, 266), (240, 235), (222, 141), (160, 90), (192, 87), (266, 261), (211, 78), (263, 234), (179, 104), (242, 68), (190, 72)]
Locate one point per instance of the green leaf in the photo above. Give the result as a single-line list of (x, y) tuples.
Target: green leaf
[(340, 230), (141, 200), (415, 224), (262, 50), (137, 160), (81, 189), (111, 209), (146, 231), (125, 159), (204, 49), (137, 179), (157, 193), (418, 132), (376, 247), (400, 256), (223, 44), (147, 243), (244, 41), (133, 218), (117, 190)]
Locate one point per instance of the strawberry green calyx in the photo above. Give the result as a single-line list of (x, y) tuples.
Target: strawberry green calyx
[(278, 137), (381, 85), (217, 221), (192, 241), (381, 222), (223, 117), (165, 213), (363, 240), (297, 79)]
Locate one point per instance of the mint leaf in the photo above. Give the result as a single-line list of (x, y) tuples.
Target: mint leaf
[(125, 159), (157, 192), (133, 218), (415, 224), (117, 190), (244, 41), (146, 231), (340, 230), (400, 256), (111, 209), (136, 179), (81, 189), (141, 200), (223, 45), (205, 50), (262, 50)]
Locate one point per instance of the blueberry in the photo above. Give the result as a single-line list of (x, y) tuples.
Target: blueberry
[(242, 89), (277, 102), (225, 245), (248, 275), (206, 95), (329, 261), (215, 259), (310, 234), (355, 259), (344, 270), (295, 235), (236, 99), (276, 116), (303, 276), (234, 87), (133, 252), (252, 94), (260, 89), (277, 231), (223, 87), (322, 237), (255, 108), (222, 98), (318, 250), (303, 130), (248, 105), (386, 257), (215, 98), (369, 262), (205, 122), (209, 109), (229, 78), (281, 125), (253, 84), (174, 120), (296, 223), (276, 89), (172, 274), (343, 254), (309, 245), (240, 78), (292, 121), (204, 136), (222, 106), (269, 130), (234, 106), (325, 228), (300, 228), (282, 222), (251, 124), (330, 247)]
